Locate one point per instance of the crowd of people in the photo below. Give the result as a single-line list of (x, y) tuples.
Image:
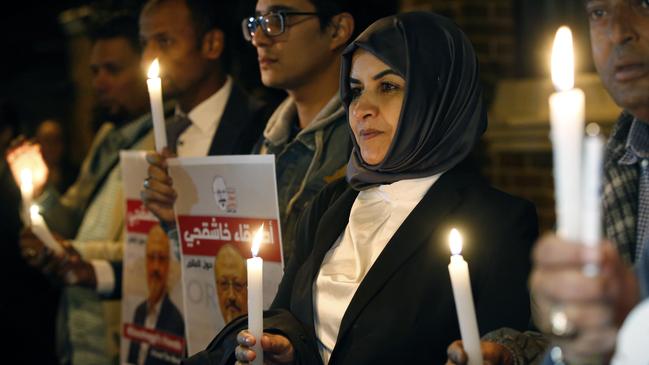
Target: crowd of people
[(374, 161)]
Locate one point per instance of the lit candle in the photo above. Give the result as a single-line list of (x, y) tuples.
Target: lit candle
[(256, 296), (591, 211), (461, 282), (567, 127), (40, 230), (154, 85), (27, 193)]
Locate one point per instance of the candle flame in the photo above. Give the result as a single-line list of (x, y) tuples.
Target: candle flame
[(34, 210), (256, 241), (455, 241), (154, 69), (26, 179), (563, 60)]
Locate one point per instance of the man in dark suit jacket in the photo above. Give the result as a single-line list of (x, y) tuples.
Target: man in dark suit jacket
[(157, 311), (213, 115), (169, 320)]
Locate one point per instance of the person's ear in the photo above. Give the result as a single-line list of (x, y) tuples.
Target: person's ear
[(213, 44), (341, 28)]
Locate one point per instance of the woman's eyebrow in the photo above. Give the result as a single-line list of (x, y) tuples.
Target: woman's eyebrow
[(383, 73)]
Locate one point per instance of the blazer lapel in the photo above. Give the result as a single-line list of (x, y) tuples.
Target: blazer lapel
[(415, 231), (127, 138)]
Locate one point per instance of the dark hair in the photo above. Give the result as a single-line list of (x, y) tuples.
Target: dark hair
[(207, 15), (364, 12), (106, 25)]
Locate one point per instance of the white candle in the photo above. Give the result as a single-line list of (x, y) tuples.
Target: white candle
[(27, 193), (256, 296), (461, 282), (567, 107), (591, 211), (154, 85), (40, 230)]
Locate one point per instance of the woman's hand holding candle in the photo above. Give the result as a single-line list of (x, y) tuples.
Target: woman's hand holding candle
[(277, 349)]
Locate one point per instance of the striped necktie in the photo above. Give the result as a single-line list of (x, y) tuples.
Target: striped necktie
[(175, 127)]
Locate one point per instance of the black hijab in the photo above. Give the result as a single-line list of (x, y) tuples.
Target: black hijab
[(442, 116)]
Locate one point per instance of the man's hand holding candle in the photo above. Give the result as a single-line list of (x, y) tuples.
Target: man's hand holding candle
[(594, 306), (66, 267), (158, 193)]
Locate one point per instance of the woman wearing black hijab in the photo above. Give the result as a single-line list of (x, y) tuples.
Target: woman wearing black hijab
[(368, 283)]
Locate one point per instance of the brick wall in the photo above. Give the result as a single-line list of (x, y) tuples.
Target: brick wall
[(526, 174), (490, 26)]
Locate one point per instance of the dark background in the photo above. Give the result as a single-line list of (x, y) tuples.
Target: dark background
[(512, 39)]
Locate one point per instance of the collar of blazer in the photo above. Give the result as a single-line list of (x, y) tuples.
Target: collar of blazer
[(427, 217)]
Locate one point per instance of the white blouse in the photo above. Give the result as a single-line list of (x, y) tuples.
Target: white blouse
[(376, 215)]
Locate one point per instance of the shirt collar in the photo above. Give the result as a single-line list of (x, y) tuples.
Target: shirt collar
[(409, 190), (637, 143), (206, 114)]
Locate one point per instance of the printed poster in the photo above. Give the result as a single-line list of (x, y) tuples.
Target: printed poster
[(153, 330), (222, 201)]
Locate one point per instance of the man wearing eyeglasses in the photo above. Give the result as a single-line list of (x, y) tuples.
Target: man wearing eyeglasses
[(298, 44)]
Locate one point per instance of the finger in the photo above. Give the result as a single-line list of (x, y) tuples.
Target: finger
[(274, 343), (277, 348), (163, 212), (495, 353), (167, 153), (552, 251), (156, 159), (595, 342), (244, 354), (150, 196), (245, 338), (159, 173), (455, 353), (566, 285), (160, 187), (587, 346), (589, 316), (52, 263), (15, 146)]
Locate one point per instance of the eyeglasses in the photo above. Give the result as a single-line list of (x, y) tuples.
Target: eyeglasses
[(272, 24)]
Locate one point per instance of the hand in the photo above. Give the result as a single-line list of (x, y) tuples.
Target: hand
[(492, 354), (74, 270), (277, 349), (25, 156), (158, 193), (68, 267), (593, 306)]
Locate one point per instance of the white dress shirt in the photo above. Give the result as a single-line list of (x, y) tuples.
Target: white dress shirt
[(377, 213), (196, 140)]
